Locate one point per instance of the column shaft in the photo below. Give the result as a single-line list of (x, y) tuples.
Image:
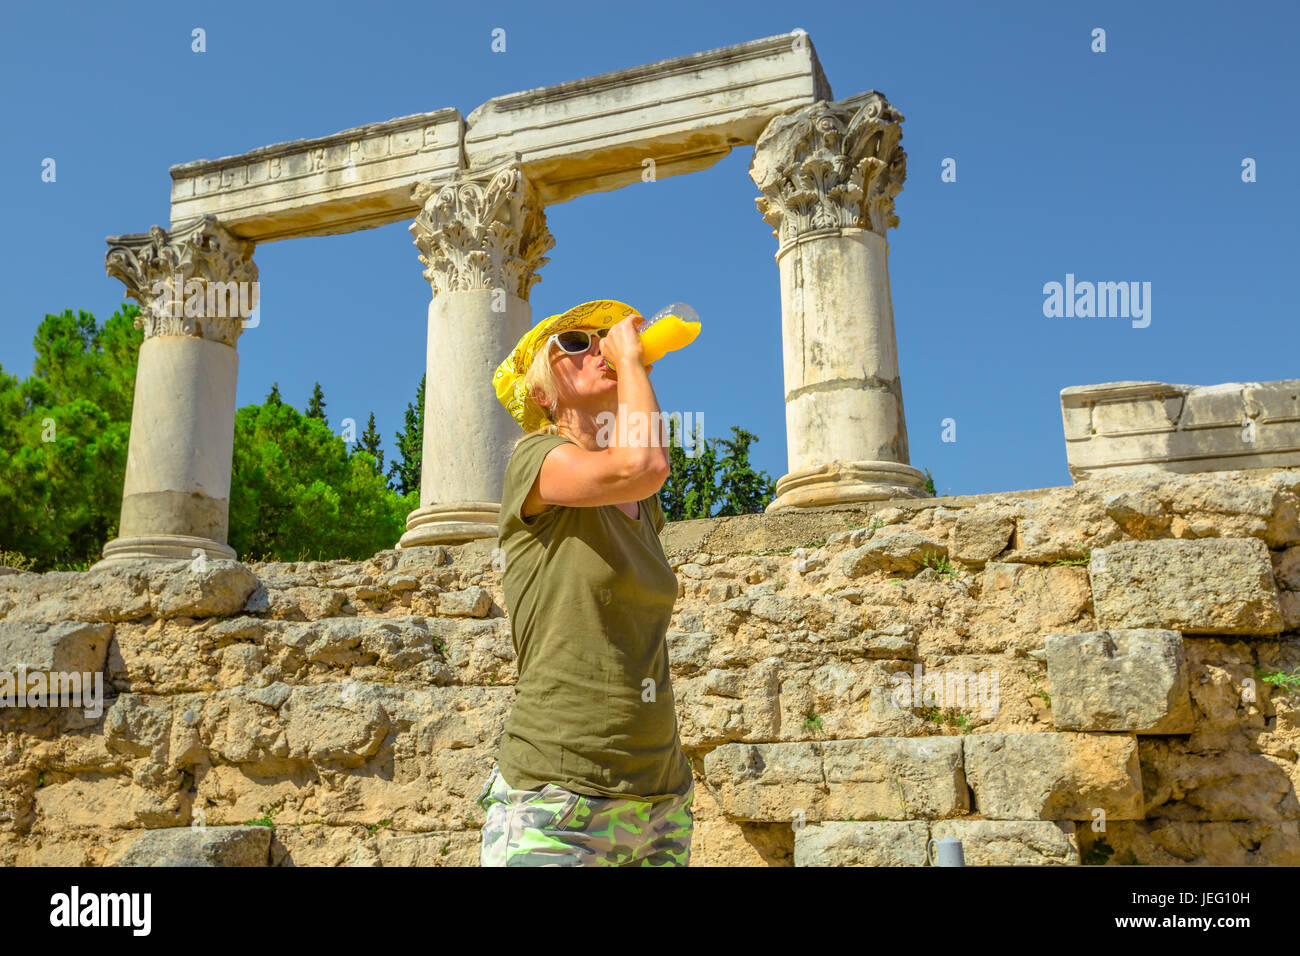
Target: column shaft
[(467, 434)]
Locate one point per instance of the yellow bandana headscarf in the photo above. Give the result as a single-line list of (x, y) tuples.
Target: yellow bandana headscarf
[(508, 379)]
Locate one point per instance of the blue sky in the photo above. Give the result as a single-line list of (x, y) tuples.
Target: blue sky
[(1115, 166)]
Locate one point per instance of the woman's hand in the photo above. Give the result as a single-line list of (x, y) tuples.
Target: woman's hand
[(622, 342)]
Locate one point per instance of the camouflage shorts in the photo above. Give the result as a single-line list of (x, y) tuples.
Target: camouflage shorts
[(557, 827)]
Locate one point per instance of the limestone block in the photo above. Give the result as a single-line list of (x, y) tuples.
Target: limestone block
[(1062, 525), (201, 846), (334, 725), (1019, 604), (1232, 785), (980, 534), (304, 603), (1054, 776), (391, 642), (1125, 427), (767, 782), (1139, 512), (894, 778), (109, 800), (841, 843), (212, 588), (1286, 569), (722, 842), (1184, 843), (113, 594), (726, 705), (1205, 586), (881, 777), (440, 848), (471, 602), (1123, 680), (1011, 842), (41, 647), (137, 727), (1221, 670), (904, 551)]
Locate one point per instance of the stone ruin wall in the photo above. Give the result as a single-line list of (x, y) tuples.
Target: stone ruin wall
[(355, 708)]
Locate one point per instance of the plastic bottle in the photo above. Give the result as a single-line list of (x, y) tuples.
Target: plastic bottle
[(671, 328)]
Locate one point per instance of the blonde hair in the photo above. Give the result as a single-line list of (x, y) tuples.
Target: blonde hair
[(540, 379)]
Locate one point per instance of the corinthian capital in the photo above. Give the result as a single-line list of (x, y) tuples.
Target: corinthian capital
[(485, 229), (830, 165), (197, 279)]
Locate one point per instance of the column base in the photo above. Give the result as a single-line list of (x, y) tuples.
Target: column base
[(453, 523), (160, 547), (844, 482)]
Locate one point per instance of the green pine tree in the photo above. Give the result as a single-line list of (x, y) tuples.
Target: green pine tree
[(696, 484), (370, 442), (273, 396), (63, 440), (316, 405), (404, 473), (743, 491), (299, 495)]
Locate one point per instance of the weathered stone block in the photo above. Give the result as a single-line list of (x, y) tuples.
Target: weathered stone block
[(1011, 842), (880, 777), (1236, 785), (980, 534), (213, 588), (1054, 776), (1201, 586), (861, 844), (767, 782), (114, 594), (42, 647), (1117, 427), (904, 551), (201, 846), (1182, 843), (894, 778), (471, 602), (1122, 680)]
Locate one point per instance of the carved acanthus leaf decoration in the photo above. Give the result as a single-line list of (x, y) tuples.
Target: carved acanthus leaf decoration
[(484, 230), (830, 164), (157, 266)]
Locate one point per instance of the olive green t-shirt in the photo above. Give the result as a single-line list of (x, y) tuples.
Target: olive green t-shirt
[(590, 596)]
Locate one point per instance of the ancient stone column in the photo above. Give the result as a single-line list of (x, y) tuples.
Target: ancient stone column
[(482, 237), (829, 173), (191, 283)]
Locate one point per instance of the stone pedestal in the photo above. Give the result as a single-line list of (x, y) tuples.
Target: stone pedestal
[(829, 173), (481, 238), (176, 497)]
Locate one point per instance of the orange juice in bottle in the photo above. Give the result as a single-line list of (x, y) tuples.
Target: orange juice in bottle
[(671, 328)]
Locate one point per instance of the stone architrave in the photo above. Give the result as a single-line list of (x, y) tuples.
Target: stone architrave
[(482, 237), (829, 173), (195, 283), (1119, 428)]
